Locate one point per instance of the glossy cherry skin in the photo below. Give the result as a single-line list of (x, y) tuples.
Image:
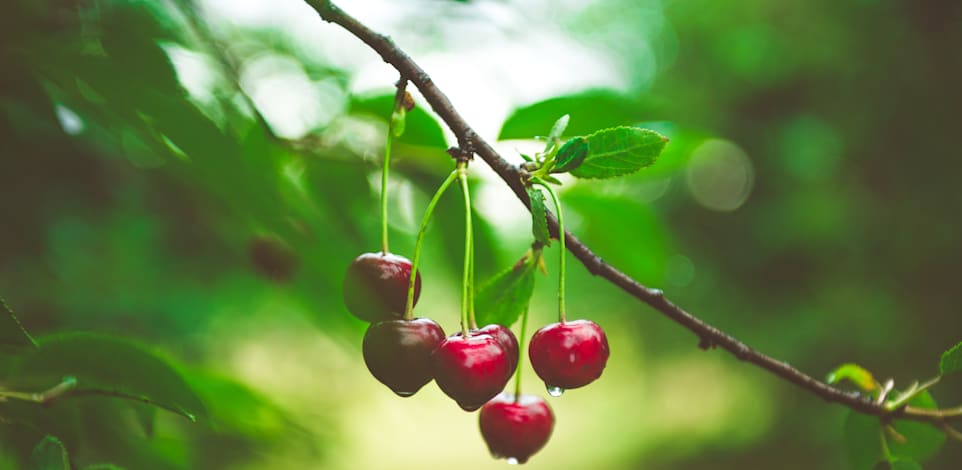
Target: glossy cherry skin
[(471, 370), (398, 353), (570, 354), (376, 286), (516, 429), (507, 339)]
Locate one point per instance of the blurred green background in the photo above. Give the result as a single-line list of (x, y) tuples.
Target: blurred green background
[(808, 204)]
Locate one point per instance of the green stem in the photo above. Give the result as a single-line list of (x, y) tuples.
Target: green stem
[(398, 98), (466, 321), (409, 307), (471, 287), (562, 316), (517, 372)]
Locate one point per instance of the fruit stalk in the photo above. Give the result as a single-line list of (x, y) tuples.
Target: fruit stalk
[(517, 372), (562, 315), (409, 307), (466, 317), (398, 101)]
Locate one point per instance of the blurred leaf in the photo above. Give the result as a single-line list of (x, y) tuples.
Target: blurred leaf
[(12, 333), (420, 127), (620, 151), (111, 365), (49, 454), (103, 466), (862, 439), (904, 464), (503, 298), (589, 111), (539, 217), (146, 416), (854, 373), (922, 440), (951, 360), (571, 155)]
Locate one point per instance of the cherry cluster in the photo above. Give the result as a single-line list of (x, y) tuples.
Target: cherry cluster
[(473, 369)]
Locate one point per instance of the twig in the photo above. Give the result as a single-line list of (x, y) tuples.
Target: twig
[(709, 336)]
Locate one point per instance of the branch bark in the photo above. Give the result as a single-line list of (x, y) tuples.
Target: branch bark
[(709, 336)]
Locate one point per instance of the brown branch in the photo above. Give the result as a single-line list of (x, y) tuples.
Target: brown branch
[(709, 335)]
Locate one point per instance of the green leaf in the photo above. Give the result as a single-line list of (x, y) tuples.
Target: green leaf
[(49, 454), (103, 466), (558, 128), (922, 441), (854, 373), (590, 110), (420, 127), (620, 151), (571, 155), (539, 217), (951, 360), (904, 464), (504, 297), (12, 333), (108, 366), (862, 440)]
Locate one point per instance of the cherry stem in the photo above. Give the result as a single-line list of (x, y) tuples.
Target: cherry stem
[(409, 307), (471, 287), (398, 100), (521, 334), (562, 316), (467, 318)]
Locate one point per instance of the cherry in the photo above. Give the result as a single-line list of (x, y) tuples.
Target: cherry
[(516, 429), (398, 353), (569, 354), (376, 286), (507, 339), (471, 370)]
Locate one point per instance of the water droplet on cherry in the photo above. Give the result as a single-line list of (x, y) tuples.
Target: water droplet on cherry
[(555, 391)]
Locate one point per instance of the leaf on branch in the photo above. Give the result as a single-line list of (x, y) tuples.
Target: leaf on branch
[(504, 297), (862, 437), (951, 360), (49, 454), (571, 155), (12, 333), (558, 129), (109, 366), (620, 151), (853, 373), (539, 217), (922, 440)]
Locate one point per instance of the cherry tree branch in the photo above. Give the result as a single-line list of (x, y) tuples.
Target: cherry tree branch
[(710, 336)]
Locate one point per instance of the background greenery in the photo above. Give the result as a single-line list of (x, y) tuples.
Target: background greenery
[(808, 204)]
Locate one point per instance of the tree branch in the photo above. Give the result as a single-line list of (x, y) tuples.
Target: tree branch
[(709, 335)]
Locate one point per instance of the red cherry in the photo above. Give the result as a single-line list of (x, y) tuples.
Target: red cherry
[(507, 339), (376, 286), (568, 355), (398, 353), (471, 370), (515, 430)]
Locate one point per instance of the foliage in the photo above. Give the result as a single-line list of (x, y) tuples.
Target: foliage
[(137, 182)]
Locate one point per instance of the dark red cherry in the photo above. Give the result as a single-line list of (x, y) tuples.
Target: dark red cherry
[(398, 353), (515, 430), (376, 286), (568, 355), (471, 370)]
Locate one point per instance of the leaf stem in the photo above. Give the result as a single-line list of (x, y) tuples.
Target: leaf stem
[(409, 307), (467, 317), (562, 314), (398, 99)]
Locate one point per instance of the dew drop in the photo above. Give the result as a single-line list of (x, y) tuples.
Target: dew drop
[(512, 461), (555, 391)]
